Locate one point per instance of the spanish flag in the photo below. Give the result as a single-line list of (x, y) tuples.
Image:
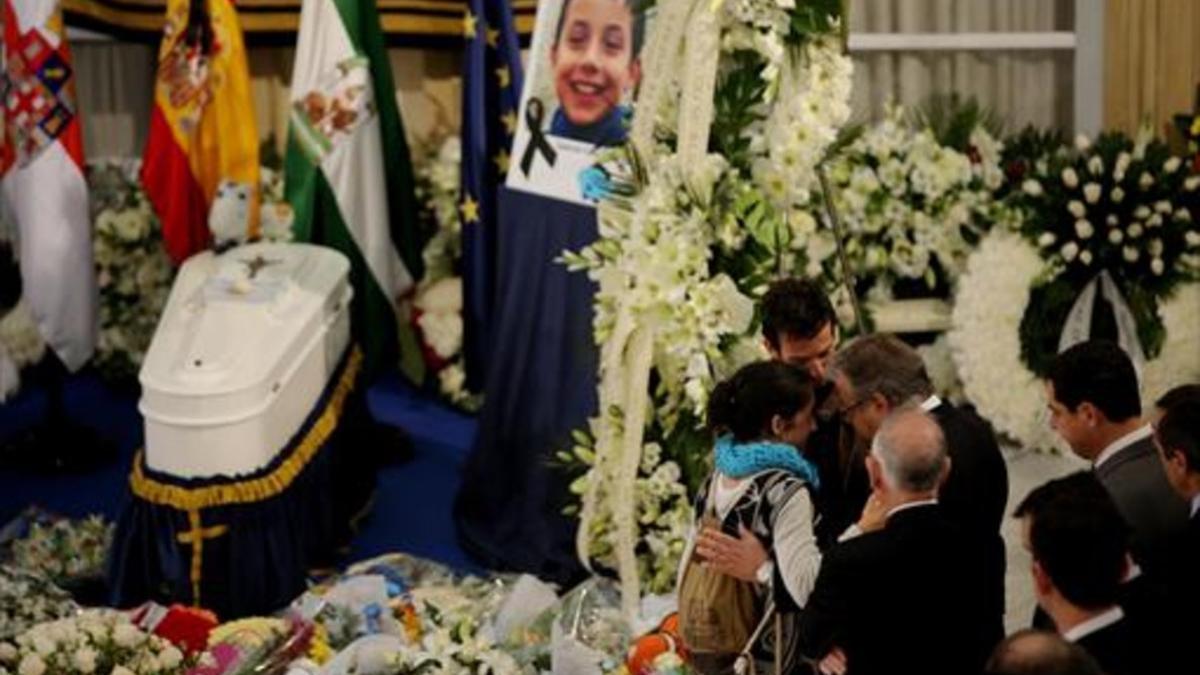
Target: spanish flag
[(202, 132)]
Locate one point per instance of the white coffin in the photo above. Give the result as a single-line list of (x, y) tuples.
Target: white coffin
[(239, 360)]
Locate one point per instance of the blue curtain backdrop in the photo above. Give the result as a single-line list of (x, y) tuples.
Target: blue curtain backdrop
[(541, 384)]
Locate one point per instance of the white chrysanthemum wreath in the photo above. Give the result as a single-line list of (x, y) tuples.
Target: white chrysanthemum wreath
[(992, 297)]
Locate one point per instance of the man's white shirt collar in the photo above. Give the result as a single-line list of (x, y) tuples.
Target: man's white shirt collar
[(1098, 622), (1141, 433), (910, 505), (931, 403), (1195, 506)]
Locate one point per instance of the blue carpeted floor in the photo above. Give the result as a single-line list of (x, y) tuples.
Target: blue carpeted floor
[(412, 510)]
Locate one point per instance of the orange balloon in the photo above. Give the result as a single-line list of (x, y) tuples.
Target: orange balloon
[(647, 648)]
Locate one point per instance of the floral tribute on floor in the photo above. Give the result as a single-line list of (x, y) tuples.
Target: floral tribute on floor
[(392, 615)]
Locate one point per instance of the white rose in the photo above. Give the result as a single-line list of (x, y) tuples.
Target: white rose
[(1155, 247), (1172, 165), (1046, 239), (1117, 195), (1091, 192), (1115, 236), (1031, 187), (121, 670), (1112, 220), (7, 652), (1086, 257), (1191, 183), (1183, 215), (1084, 229), (1076, 208), (1122, 164), (85, 660), (1070, 178), (1156, 266), (1134, 231), (1192, 238), (170, 657), (1162, 206), (1082, 143), (128, 635), (43, 645), (1154, 221), (32, 664), (1145, 180), (1141, 213), (1096, 165), (1069, 251), (1130, 254)]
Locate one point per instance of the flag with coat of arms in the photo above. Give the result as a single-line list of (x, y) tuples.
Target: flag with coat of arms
[(42, 170)]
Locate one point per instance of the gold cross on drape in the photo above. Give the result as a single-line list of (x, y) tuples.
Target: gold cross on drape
[(195, 537)]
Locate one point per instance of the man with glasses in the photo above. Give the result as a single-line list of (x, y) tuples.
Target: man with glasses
[(877, 374)]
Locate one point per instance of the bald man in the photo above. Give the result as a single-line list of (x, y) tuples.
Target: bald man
[(902, 597), (1035, 652)]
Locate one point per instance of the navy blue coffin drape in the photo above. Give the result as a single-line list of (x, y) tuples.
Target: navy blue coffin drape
[(242, 545), (541, 384)]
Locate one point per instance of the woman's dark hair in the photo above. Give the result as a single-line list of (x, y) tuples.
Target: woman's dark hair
[(744, 404)]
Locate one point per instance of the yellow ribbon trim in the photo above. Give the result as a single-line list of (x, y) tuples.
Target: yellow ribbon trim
[(255, 489)]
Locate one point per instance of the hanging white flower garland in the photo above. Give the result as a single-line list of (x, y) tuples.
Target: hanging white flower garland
[(993, 295), (660, 308)]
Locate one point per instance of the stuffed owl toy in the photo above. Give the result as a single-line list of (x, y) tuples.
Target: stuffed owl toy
[(229, 217)]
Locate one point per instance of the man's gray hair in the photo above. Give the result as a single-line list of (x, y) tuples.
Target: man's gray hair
[(912, 450), (883, 364)]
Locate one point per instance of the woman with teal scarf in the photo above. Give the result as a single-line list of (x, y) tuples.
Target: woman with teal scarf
[(761, 483)]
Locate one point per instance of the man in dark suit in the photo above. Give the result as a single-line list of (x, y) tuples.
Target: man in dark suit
[(876, 374), (1092, 392), (902, 597), (800, 328), (1078, 543), (1177, 437)]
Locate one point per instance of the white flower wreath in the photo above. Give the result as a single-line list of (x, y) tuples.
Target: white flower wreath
[(993, 294)]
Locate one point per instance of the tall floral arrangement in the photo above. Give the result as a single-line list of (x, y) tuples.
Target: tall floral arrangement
[(914, 206), (132, 268), (740, 102), (439, 299)]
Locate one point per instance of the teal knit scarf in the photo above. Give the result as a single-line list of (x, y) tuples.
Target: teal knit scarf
[(738, 460)]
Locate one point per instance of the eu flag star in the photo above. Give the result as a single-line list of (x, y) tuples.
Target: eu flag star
[(468, 25), (493, 37), (509, 119), (501, 159), (504, 76), (469, 208)]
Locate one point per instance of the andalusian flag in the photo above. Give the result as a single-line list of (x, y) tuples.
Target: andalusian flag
[(347, 174), (41, 161), (202, 131)]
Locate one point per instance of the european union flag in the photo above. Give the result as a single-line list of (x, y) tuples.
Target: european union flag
[(491, 97)]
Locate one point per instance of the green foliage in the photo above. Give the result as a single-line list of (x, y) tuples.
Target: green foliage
[(817, 17), (1051, 302), (953, 117), (737, 104)]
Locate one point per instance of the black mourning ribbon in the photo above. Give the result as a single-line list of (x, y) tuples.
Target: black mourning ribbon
[(534, 112)]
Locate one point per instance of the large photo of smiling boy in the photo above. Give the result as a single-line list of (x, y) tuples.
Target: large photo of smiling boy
[(584, 69)]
